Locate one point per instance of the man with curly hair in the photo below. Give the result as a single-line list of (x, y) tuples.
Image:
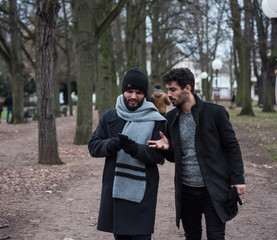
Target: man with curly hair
[(209, 173)]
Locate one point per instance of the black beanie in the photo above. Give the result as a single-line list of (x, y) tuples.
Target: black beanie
[(135, 79)]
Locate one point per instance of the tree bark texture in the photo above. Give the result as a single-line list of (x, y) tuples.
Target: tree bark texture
[(47, 12), (132, 24), (67, 54), (16, 66), (269, 83), (155, 73), (86, 55), (141, 38), (88, 33), (243, 49), (119, 48), (106, 88)]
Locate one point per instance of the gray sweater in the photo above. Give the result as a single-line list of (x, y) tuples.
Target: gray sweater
[(191, 174)]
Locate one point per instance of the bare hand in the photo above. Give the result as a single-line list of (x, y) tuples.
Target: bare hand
[(240, 188), (159, 144)]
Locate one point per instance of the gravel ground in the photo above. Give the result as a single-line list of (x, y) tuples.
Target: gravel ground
[(39, 202)]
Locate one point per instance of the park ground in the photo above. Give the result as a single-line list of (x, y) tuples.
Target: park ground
[(40, 202)]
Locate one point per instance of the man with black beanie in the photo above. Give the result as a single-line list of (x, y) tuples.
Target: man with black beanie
[(130, 177)]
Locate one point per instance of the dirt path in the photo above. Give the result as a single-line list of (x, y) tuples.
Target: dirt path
[(61, 202)]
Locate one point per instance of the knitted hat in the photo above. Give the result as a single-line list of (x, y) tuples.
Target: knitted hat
[(135, 79)]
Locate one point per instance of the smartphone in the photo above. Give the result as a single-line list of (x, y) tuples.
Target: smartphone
[(123, 137)]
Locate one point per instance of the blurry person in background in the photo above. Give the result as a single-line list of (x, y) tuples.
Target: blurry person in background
[(160, 99), (9, 104)]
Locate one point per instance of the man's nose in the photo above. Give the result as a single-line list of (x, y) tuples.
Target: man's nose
[(134, 95)]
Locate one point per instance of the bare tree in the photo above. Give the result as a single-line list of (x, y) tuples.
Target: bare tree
[(47, 12), (106, 87), (242, 47), (67, 51), (134, 23), (268, 63), (88, 32), (10, 50), (203, 30), (165, 23)]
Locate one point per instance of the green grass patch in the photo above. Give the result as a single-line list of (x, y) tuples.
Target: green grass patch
[(4, 113), (261, 128)]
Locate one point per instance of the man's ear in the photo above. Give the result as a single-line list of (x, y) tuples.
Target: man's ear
[(188, 87)]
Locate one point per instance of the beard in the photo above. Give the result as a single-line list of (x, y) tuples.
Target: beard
[(130, 107), (180, 101)]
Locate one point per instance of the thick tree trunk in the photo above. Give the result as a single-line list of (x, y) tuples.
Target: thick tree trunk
[(141, 38), (47, 13), (57, 65), (268, 86), (242, 46), (132, 24), (269, 83), (88, 33), (16, 67), (107, 90), (245, 65), (86, 52)]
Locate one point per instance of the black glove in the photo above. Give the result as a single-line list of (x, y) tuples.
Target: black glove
[(113, 145), (231, 201), (128, 145)]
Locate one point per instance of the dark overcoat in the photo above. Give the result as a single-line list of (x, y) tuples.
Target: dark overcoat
[(121, 216), (217, 149)]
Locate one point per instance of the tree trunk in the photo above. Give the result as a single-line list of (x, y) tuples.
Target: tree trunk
[(47, 14), (268, 86), (57, 64), (269, 83), (67, 54), (119, 48), (132, 24), (274, 53), (243, 49), (88, 34), (141, 38), (155, 74), (107, 90), (16, 67), (86, 52)]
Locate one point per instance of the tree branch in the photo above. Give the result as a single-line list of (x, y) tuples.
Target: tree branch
[(102, 27)]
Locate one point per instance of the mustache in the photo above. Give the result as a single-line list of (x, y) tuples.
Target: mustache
[(171, 98), (133, 100)]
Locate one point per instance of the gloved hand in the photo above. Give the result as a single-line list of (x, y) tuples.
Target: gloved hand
[(128, 145), (113, 145)]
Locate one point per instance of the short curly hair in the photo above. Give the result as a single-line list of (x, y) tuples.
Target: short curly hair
[(183, 76)]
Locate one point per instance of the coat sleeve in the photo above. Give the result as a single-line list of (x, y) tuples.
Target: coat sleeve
[(168, 154), (231, 146), (149, 155), (97, 145)]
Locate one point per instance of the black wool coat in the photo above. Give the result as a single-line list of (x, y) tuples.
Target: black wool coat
[(116, 215), (217, 150)]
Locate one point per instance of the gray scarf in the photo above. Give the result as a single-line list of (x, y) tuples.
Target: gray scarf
[(130, 173)]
